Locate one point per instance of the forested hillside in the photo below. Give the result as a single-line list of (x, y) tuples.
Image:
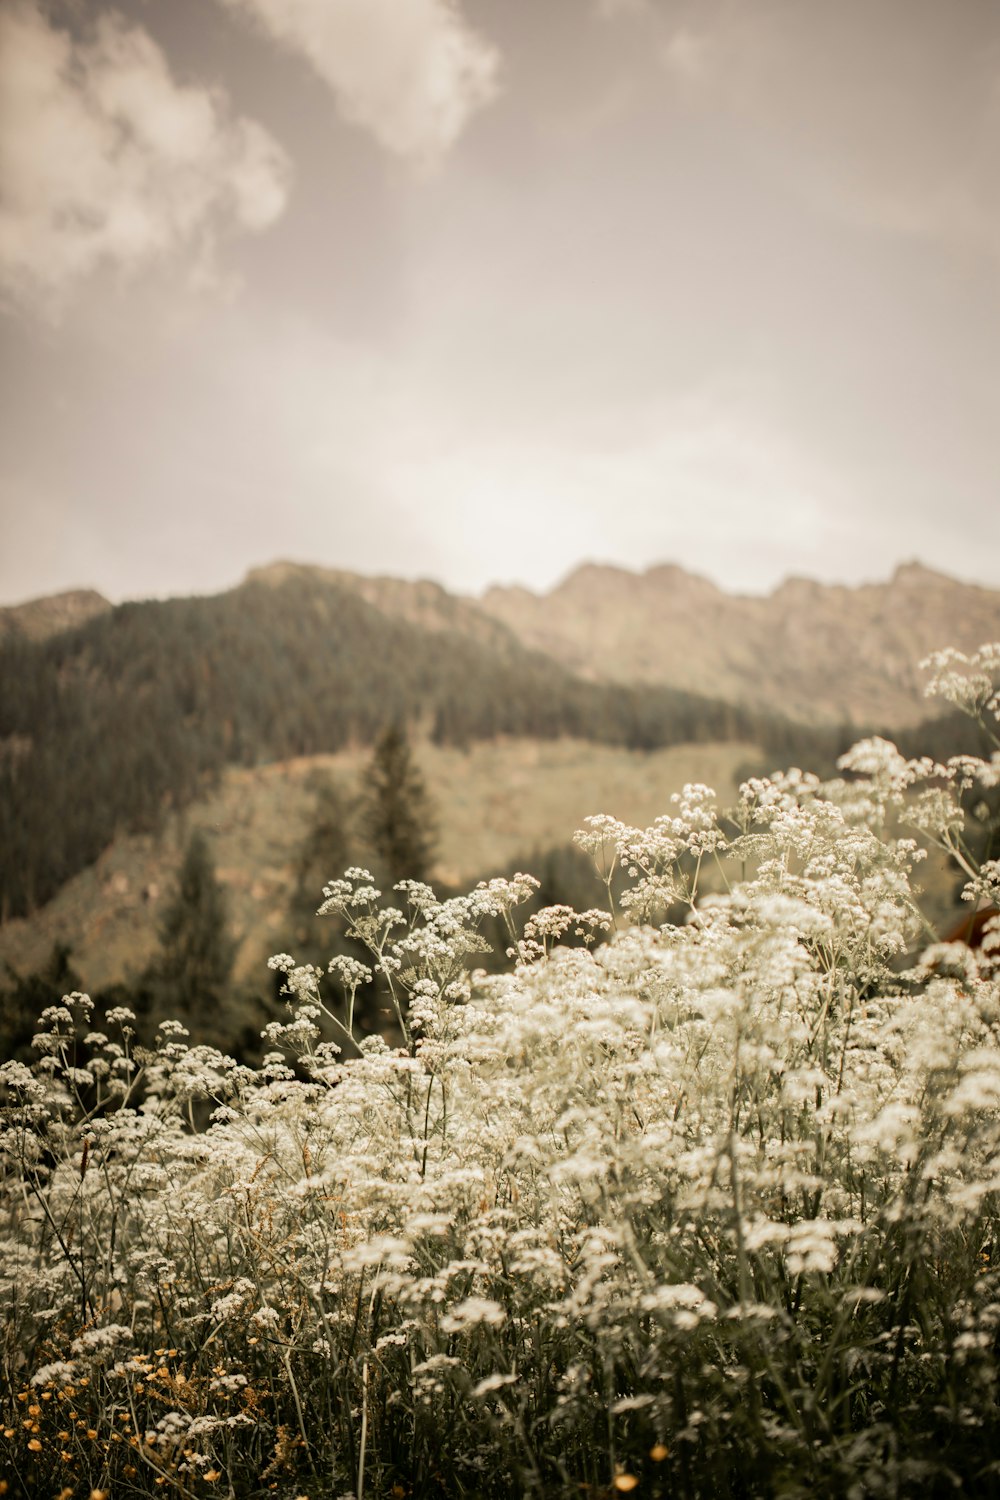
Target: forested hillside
[(104, 726)]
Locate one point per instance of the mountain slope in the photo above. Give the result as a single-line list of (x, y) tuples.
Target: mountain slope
[(106, 726), (817, 652)]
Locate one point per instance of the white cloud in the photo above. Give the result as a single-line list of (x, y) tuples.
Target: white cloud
[(411, 72), (106, 161)]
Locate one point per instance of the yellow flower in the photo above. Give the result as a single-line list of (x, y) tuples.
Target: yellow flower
[(658, 1453), (35, 1445), (625, 1482)]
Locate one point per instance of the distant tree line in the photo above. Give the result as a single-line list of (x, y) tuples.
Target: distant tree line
[(106, 727)]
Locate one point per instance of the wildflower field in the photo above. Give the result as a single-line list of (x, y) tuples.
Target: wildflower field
[(697, 1209)]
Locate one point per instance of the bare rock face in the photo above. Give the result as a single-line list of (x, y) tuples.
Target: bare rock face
[(817, 652), (40, 618)]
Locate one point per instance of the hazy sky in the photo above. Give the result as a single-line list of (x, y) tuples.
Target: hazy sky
[(479, 290)]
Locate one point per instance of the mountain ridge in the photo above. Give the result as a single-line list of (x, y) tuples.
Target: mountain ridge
[(820, 653), (50, 614)]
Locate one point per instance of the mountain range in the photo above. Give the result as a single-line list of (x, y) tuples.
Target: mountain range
[(813, 652), (111, 722), (818, 653), (122, 726)]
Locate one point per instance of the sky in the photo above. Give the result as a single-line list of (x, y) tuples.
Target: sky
[(477, 290)]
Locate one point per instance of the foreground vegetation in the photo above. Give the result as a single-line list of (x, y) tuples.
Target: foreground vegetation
[(699, 1209)]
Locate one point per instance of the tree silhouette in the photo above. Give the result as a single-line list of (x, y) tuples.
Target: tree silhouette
[(397, 819), (324, 855), (195, 964)]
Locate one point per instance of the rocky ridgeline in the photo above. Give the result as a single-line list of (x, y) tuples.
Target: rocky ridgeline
[(818, 652)]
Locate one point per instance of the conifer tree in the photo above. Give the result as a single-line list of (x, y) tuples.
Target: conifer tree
[(195, 964), (323, 856), (397, 819)]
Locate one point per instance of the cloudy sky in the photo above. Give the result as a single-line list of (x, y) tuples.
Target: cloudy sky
[(479, 290)]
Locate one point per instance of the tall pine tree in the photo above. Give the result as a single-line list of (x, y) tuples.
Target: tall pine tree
[(324, 855), (397, 819), (192, 974)]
